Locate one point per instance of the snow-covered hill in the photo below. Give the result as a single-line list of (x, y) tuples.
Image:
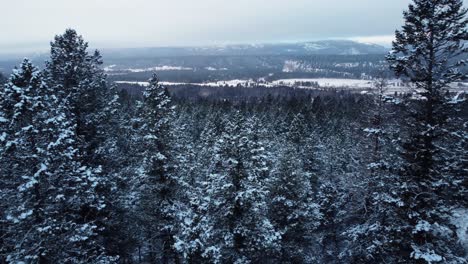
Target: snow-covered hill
[(323, 47)]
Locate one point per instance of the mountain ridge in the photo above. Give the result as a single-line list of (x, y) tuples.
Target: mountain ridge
[(321, 47)]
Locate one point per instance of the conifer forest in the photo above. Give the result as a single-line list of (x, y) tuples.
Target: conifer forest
[(97, 169)]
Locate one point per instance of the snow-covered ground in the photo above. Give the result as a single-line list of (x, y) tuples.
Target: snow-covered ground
[(298, 66), (326, 82), (162, 68), (215, 69), (112, 68), (230, 83), (147, 83), (347, 64), (362, 86)]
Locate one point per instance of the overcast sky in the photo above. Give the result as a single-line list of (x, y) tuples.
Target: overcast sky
[(31, 24)]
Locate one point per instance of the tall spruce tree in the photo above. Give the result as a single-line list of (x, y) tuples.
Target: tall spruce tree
[(292, 209), (190, 212), (368, 234), (415, 226), (237, 227), (77, 76), (54, 197), (23, 107), (157, 184), (75, 204)]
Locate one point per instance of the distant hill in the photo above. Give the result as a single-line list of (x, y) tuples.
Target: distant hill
[(324, 47), (317, 59)]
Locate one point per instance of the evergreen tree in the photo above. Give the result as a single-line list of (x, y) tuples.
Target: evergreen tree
[(80, 88), (158, 184), (55, 202), (367, 234), (77, 76), (238, 229), (293, 210), (189, 229), (23, 107), (427, 52), (192, 239), (75, 204)]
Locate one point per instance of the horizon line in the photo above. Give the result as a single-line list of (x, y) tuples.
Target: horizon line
[(36, 48)]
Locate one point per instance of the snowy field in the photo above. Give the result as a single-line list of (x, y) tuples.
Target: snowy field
[(231, 83), (362, 86), (112, 68), (326, 82)]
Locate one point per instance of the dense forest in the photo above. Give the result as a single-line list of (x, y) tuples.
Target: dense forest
[(91, 173)]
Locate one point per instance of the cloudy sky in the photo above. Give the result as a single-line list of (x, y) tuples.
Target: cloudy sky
[(31, 24)]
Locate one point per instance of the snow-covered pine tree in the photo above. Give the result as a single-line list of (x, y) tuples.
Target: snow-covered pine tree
[(339, 159), (157, 183), (52, 195), (259, 163), (238, 229), (77, 76), (205, 149), (428, 51), (189, 213), (192, 223), (23, 107), (122, 149), (193, 219), (77, 97), (367, 234), (376, 131), (74, 205), (119, 162), (293, 211)]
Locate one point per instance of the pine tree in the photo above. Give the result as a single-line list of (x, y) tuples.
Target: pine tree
[(23, 107), (333, 201), (238, 230), (56, 198), (192, 239), (189, 229), (293, 210), (121, 149), (82, 95), (368, 234), (427, 51), (158, 184), (341, 170), (78, 77), (74, 206)]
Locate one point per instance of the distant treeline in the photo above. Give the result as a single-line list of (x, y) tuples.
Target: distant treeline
[(234, 94)]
